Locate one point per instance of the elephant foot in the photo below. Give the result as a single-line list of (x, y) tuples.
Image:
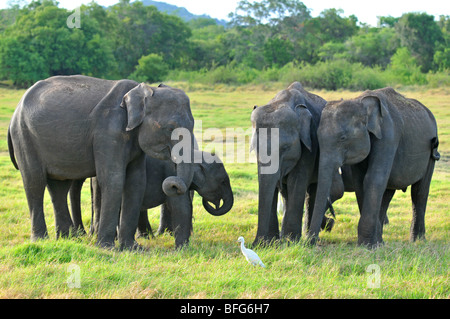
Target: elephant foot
[(414, 237), (79, 232), (131, 246), (265, 241), (312, 241), (105, 243), (291, 237), (181, 244), (370, 243), (35, 236)]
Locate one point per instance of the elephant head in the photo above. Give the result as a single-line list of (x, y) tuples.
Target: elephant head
[(157, 113), (211, 181), (345, 132), (282, 128)]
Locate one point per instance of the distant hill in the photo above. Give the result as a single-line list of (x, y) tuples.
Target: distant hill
[(179, 11)]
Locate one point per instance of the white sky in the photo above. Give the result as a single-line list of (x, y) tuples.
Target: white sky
[(366, 11)]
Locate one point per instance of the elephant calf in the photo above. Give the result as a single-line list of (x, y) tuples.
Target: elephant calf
[(210, 180), (390, 142), (294, 115)]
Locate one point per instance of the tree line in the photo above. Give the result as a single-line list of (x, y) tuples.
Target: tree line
[(266, 40)]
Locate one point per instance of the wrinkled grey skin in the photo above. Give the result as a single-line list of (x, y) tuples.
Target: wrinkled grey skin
[(296, 113), (69, 128), (391, 143), (210, 180)]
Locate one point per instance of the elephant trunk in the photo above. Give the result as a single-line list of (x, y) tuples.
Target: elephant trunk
[(177, 185), (173, 185), (267, 208), (326, 171), (228, 201)]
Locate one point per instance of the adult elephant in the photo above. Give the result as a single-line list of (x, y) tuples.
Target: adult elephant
[(287, 127), (210, 180), (73, 127), (390, 142)]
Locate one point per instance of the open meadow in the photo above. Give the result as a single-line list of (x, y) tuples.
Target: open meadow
[(213, 266)]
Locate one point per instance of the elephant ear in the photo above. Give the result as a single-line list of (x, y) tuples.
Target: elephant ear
[(305, 118), (375, 111), (135, 102)]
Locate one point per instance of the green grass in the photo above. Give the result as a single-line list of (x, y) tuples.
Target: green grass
[(213, 266)]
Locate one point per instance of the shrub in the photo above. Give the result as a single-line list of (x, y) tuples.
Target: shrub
[(364, 78), (404, 68), (151, 68), (329, 75)]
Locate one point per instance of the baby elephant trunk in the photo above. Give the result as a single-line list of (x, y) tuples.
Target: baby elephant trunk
[(173, 186), (179, 184), (227, 204)]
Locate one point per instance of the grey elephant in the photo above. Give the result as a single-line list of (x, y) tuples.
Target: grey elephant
[(69, 128), (295, 114), (390, 142), (210, 180)]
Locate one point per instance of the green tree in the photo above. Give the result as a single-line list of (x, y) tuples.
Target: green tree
[(420, 34), (405, 68), (206, 45), (141, 30), (151, 68), (441, 57), (45, 46), (372, 47), (278, 51)]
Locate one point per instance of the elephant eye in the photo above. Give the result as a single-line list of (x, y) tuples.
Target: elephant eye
[(343, 137)]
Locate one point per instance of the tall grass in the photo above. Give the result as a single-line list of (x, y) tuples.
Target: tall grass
[(213, 266)]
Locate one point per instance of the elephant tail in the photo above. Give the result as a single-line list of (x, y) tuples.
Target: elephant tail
[(434, 149), (11, 150)]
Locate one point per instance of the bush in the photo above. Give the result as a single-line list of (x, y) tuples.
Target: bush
[(329, 75), (151, 68), (364, 78), (404, 69)]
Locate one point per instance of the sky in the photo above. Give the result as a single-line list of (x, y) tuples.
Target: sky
[(365, 11)]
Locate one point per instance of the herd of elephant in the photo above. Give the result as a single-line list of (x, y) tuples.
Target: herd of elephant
[(120, 134)]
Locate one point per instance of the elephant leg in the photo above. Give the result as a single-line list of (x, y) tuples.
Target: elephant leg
[(375, 183), (96, 202), (165, 222), (292, 220), (132, 198), (34, 185), (111, 189), (358, 173), (58, 192), (419, 197), (180, 207), (387, 197), (268, 228), (75, 205), (309, 205), (144, 227), (273, 220)]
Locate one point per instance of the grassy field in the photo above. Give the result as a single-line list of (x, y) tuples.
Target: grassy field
[(213, 266)]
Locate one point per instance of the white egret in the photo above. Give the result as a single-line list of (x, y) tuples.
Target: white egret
[(250, 255)]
